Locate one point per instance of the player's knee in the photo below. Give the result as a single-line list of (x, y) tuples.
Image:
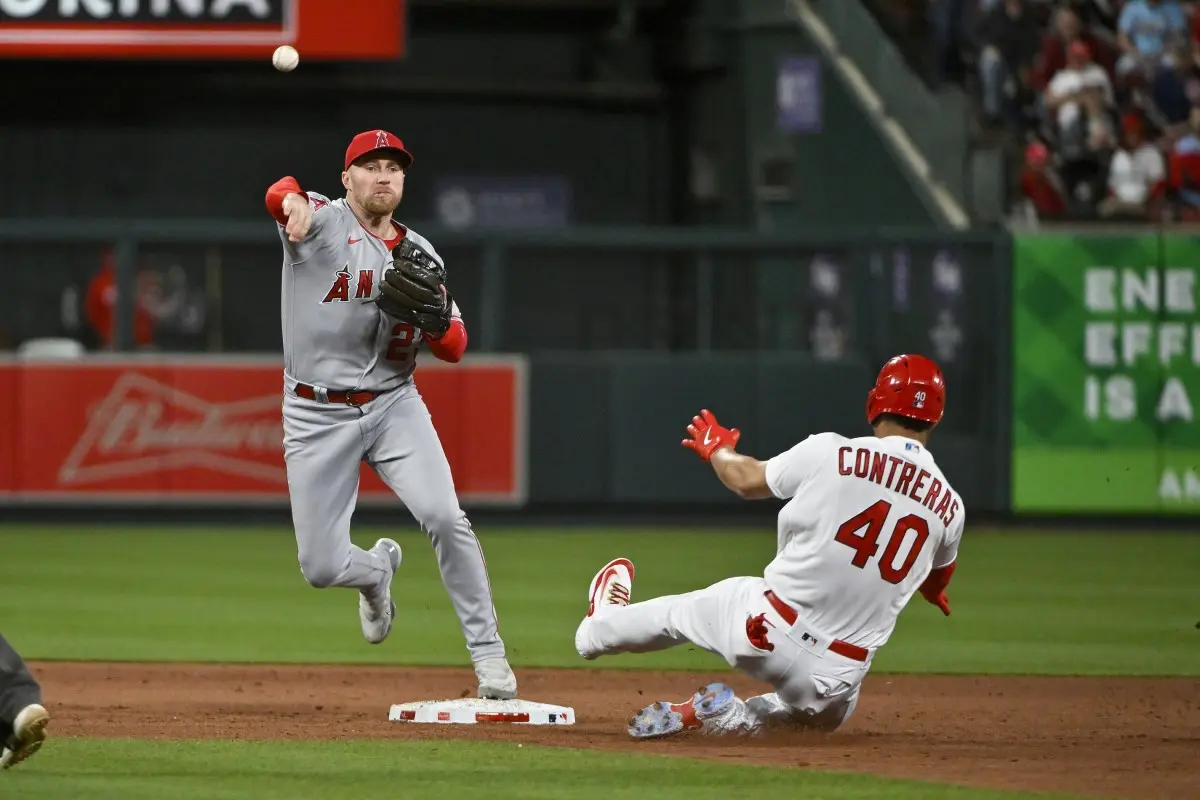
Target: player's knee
[(320, 573), (442, 520)]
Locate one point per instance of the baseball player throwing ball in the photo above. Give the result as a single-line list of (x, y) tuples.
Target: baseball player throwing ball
[(361, 293), (867, 522)]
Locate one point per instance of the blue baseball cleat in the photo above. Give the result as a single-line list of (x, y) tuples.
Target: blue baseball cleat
[(664, 719)]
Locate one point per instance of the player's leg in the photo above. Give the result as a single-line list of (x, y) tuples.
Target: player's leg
[(732, 619), (614, 625), (405, 451), (23, 719), (715, 618), (812, 693), (716, 709), (323, 448), (819, 692)]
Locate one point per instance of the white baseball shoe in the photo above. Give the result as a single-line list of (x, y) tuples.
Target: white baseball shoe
[(29, 732), (376, 609), (497, 681), (611, 588)]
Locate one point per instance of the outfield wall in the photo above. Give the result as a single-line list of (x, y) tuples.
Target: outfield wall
[(1071, 362)]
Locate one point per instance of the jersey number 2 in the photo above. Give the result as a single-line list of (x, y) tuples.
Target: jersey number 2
[(866, 544), (402, 338)]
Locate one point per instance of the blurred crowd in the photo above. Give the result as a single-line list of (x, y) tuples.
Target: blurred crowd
[(1100, 97)]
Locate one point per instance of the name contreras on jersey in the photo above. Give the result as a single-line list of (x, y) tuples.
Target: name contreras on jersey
[(899, 475)]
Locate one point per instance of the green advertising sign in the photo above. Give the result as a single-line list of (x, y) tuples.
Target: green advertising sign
[(1106, 355)]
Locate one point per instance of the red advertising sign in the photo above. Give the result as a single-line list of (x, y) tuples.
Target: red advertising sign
[(348, 30), (180, 429)]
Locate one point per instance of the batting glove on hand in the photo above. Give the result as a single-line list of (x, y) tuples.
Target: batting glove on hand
[(942, 602), (707, 435)]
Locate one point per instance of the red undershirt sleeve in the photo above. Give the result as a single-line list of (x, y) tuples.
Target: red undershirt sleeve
[(935, 584), (275, 194), (451, 345)]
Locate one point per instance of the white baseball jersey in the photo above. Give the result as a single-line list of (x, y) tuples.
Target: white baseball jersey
[(866, 521), (334, 336)]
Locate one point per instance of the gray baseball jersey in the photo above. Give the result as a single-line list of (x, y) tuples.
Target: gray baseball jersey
[(334, 336)]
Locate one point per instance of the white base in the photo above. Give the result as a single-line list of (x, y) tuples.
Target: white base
[(473, 711)]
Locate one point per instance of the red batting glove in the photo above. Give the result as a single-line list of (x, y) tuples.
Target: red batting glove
[(707, 435), (934, 587), (942, 602)]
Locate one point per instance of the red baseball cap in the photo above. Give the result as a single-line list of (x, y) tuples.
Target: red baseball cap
[(1037, 153), (368, 141)]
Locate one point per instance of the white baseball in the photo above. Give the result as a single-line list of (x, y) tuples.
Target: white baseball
[(285, 58)]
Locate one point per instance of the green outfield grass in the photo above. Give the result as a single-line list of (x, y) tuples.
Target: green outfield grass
[(124, 770), (1023, 602)]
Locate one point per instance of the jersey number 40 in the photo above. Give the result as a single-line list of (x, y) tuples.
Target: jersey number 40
[(866, 544)]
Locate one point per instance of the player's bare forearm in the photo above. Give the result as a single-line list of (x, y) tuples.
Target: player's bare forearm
[(744, 476)]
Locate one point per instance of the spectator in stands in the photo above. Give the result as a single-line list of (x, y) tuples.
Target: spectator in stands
[(1041, 188), (1053, 56), (1148, 31), (1099, 14), (948, 21), (1185, 170), (1080, 106), (1079, 101), (101, 301), (1176, 89), (1136, 176), (1008, 34)]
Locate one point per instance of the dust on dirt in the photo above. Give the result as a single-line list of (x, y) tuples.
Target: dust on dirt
[(1103, 737)]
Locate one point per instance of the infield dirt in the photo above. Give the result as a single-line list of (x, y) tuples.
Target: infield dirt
[(1103, 737)]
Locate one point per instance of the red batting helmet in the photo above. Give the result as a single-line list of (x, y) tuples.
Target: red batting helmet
[(908, 386)]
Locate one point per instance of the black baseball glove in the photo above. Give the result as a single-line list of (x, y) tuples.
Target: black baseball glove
[(413, 289)]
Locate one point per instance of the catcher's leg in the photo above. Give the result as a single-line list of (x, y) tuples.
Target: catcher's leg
[(323, 453), (406, 453)]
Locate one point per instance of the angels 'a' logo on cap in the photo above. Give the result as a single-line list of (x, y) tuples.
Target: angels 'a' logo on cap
[(381, 139)]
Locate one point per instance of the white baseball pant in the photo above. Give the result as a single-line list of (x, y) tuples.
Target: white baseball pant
[(814, 687)]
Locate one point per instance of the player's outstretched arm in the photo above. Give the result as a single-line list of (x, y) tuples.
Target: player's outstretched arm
[(289, 205), (744, 476)]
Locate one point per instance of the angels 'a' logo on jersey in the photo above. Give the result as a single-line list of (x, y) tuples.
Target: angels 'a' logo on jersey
[(340, 290)]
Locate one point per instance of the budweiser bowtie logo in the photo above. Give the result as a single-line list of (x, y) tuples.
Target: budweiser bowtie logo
[(143, 426)]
